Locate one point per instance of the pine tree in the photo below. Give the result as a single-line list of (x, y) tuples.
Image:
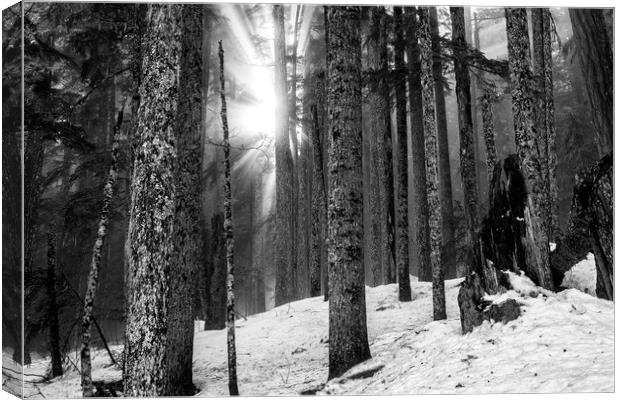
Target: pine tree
[(380, 127), (187, 230), (421, 242), (445, 181), (54, 335), (314, 110), (286, 253), (151, 226), (544, 112), (402, 216), (467, 152), (488, 130), (348, 339), (537, 243), (432, 163), (228, 233)]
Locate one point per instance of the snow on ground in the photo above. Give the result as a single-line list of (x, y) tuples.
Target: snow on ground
[(562, 343), (582, 276)]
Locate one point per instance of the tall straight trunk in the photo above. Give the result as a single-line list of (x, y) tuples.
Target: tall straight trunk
[(402, 217), (421, 242), (304, 175), (377, 232), (187, 230), (348, 338), (544, 112), (303, 219), (318, 252), (432, 162), (204, 284), (536, 237), (380, 125), (297, 266), (445, 181), (552, 161), (488, 130), (230, 244), (151, 233), (286, 252), (539, 109), (466, 137), (52, 314), (93, 275), (596, 60)]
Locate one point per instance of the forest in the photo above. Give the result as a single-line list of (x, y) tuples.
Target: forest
[(266, 199)]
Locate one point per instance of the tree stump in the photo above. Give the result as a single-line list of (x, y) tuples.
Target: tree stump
[(590, 227), (475, 309)]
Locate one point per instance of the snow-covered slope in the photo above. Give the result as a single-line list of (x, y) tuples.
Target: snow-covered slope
[(562, 343)]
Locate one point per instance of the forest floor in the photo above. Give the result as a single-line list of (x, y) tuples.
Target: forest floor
[(563, 342)]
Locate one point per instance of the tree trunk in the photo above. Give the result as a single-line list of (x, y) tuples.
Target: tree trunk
[(93, 276), (488, 130), (466, 137), (432, 163), (216, 275), (228, 234), (445, 181), (286, 252), (544, 112), (187, 230), (421, 242), (537, 243), (402, 217), (348, 339), (152, 207), (380, 125), (372, 210), (314, 108), (52, 314), (596, 60), (552, 161)]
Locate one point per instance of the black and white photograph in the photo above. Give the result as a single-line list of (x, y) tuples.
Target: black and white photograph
[(233, 199)]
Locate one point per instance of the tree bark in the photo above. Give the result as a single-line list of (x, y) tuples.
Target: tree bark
[(52, 314), (216, 275), (379, 100), (467, 153), (432, 163), (596, 60), (228, 234), (314, 109), (488, 130), (348, 339), (152, 207), (402, 216), (93, 276), (187, 230), (381, 126), (526, 132), (286, 252), (421, 242), (445, 181)]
